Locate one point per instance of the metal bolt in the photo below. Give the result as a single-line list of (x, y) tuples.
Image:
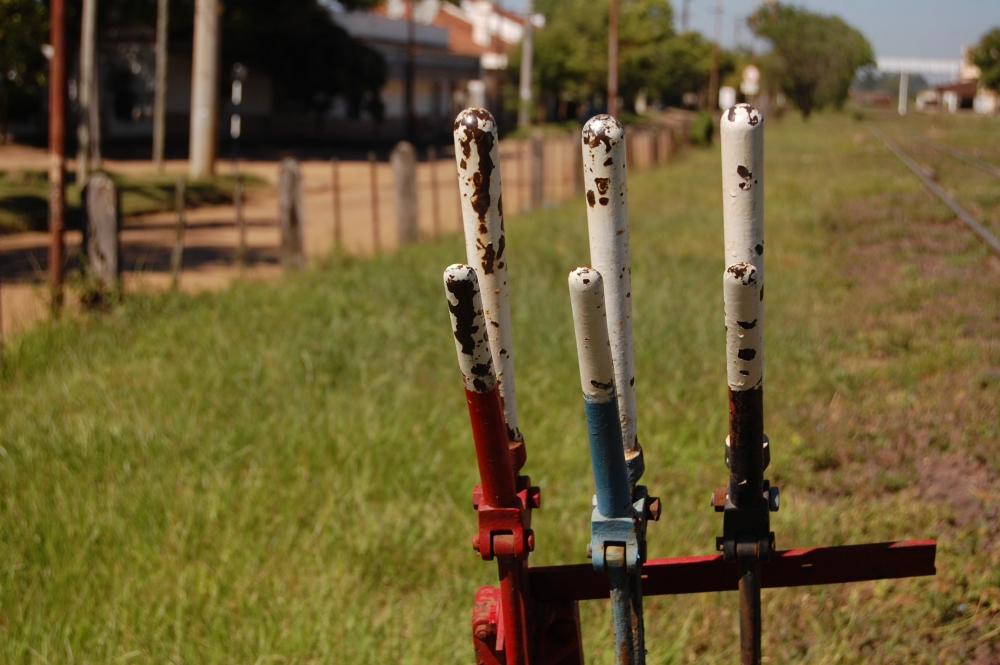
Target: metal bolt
[(590, 551), (773, 499), (531, 541), (475, 542)]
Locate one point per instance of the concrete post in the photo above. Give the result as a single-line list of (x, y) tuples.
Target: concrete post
[(404, 171)]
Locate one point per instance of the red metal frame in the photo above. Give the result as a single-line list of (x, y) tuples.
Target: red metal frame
[(533, 617)]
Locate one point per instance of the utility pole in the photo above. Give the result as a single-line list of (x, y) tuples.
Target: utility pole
[(85, 91), (160, 84), (408, 93), (713, 81), (57, 149), (527, 55), (613, 59), (204, 89)]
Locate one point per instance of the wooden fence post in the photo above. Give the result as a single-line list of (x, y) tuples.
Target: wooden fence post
[(537, 169), (373, 169), (290, 214), (102, 227), (435, 207), (337, 232), (241, 225), (404, 171), (177, 256)]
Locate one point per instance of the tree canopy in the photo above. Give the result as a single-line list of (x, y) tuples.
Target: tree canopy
[(814, 58), (24, 27), (310, 59), (986, 56), (571, 59)]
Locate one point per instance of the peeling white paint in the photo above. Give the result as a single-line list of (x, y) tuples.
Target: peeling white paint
[(742, 130), (606, 193), (742, 288), (477, 156), (590, 322), (468, 326)]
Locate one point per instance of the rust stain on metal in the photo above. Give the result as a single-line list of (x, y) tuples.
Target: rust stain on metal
[(609, 161), (590, 198), (603, 200), (602, 185), (489, 256), (739, 270), (464, 313), (747, 176), (594, 138)]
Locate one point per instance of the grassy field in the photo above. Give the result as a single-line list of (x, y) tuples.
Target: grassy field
[(24, 196), (281, 473)]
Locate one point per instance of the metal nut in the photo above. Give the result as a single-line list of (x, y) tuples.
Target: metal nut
[(773, 499), (475, 542)]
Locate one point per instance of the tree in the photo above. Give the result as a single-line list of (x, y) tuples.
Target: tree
[(24, 27), (986, 56), (815, 57), (571, 61)]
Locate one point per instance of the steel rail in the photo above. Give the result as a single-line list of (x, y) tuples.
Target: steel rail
[(959, 155), (969, 220)]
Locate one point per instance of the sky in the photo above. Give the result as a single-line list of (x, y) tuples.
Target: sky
[(913, 28)]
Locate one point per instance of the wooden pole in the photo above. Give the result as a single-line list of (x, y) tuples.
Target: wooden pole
[(713, 80), (527, 53), (373, 169), (160, 84), (177, 256), (241, 224), (57, 150), (435, 208), (337, 239), (85, 90), (613, 58), (404, 171), (204, 89)]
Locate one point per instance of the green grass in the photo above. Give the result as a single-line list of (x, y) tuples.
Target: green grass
[(24, 196), (282, 472)]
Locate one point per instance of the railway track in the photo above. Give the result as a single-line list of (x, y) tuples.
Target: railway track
[(928, 174)]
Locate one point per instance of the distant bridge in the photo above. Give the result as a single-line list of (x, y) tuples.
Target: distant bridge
[(936, 66)]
